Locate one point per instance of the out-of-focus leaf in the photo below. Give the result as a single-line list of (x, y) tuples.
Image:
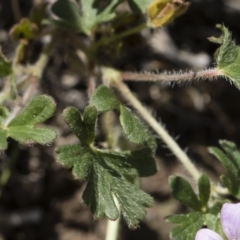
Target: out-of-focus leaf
[(5, 65), (24, 30)]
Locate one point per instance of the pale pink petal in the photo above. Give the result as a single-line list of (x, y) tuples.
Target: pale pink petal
[(207, 234), (230, 219)]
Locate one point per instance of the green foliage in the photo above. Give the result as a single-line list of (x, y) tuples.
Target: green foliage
[(139, 6), (204, 189), (82, 19), (183, 192), (134, 129), (104, 99), (5, 65), (25, 29), (22, 128), (109, 173), (230, 159), (228, 56), (3, 113), (187, 225)]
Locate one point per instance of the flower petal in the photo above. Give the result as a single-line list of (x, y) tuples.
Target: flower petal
[(230, 219), (207, 234)]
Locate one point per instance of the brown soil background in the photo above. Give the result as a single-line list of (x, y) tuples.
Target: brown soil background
[(41, 200)]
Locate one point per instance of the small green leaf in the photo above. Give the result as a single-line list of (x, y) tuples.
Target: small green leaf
[(228, 56), (139, 6), (183, 192), (37, 111), (5, 65), (231, 149), (188, 225), (204, 189), (22, 127), (3, 139), (133, 128), (104, 100), (30, 135), (89, 118), (72, 117)]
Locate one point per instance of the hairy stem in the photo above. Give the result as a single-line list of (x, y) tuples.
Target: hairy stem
[(158, 128), (172, 77)]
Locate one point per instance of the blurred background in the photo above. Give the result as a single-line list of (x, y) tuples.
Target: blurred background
[(41, 200)]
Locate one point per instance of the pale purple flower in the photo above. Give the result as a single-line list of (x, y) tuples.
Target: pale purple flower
[(230, 219)]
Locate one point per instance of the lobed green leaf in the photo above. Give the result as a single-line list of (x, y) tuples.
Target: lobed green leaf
[(84, 19), (188, 225), (104, 100), (98, 196), (37, 111), (228, 56), (76, 157)]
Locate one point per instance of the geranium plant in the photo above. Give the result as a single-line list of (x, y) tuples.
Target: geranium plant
[(112, 172)]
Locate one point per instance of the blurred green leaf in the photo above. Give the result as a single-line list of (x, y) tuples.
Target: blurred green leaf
[(3, 140), (5, 65), (83, 19), (228, 56), (187, 225), (139, 6), (204, 189), (183, 192), (24, 30), (230, 161), (3, 113)]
